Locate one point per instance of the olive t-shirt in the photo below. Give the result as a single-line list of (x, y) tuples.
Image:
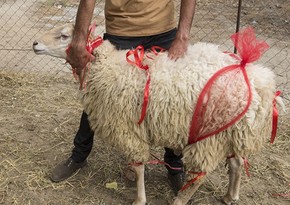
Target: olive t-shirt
[(139, 17)]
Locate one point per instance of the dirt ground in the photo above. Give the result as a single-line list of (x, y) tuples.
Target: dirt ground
[(38, 121), (40, 114)]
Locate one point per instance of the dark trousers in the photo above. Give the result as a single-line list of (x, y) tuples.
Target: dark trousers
[(83, 141)]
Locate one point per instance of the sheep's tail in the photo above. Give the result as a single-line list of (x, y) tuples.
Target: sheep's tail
[(217, 108)]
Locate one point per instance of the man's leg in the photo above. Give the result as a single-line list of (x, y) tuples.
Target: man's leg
[(83, 143), (164, 40), (83, 140), (175, 176)]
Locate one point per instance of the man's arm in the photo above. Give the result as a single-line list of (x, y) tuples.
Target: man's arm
[(181, 41), (78, 56)]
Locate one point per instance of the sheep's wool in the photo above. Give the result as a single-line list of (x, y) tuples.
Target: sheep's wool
[(114, 96)]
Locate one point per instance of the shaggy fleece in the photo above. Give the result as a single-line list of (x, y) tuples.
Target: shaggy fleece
[(114, 96)]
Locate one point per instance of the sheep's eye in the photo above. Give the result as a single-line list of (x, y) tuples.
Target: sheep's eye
[(64, 37)]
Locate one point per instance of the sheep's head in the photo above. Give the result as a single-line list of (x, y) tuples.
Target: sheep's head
[(54, 42)]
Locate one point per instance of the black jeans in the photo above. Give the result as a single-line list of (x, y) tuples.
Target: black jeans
[(84, 138)]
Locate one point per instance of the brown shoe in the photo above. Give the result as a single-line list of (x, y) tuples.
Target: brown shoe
[(66, 169)]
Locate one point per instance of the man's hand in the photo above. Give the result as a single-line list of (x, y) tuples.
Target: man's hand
[(178, 48), (180, 44), (78, 57)]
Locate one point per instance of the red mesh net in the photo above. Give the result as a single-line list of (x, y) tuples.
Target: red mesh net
[(227, 95)]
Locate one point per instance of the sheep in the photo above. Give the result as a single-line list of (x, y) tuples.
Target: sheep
[(114, 95)]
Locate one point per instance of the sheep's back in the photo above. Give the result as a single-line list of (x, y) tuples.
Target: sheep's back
[(175, 87), (114, 96)]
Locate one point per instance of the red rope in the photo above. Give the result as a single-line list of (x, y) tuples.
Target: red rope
[(275, 118), (138, 54), (199, 176), (283, 195), (250, 49), (90, 46), (157, 161), (194, 129), (246, 164)]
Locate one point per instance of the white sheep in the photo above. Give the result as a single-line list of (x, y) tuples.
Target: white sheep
[(114, 95)]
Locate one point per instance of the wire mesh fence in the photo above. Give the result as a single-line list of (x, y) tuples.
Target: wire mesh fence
[(215, 20), (38, 119), (22, 21)]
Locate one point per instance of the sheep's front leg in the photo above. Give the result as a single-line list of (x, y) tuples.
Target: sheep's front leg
[(184, 196), (141, 196), (235, 169)]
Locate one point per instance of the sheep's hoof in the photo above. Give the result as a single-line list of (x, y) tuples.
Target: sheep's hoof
[(228, 200), (177, 201), (139, 202)]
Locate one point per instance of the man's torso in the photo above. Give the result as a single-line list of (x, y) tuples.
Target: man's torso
[(139, 17)]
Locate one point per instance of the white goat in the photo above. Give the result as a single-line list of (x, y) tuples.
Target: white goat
[(113, 100)]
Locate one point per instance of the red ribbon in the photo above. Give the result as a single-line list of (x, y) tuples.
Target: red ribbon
[(92, 44), (194, 129), (246, 164), (155, 50), (250, 49), (199, 175), (283, 195), (138, 54), (157, 161), (275, 118)]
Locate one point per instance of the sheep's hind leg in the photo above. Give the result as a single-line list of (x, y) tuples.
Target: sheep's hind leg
[(141, 196), (184, 196), (235, 169)]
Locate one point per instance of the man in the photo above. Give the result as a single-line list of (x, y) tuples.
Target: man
[(129, 23)]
